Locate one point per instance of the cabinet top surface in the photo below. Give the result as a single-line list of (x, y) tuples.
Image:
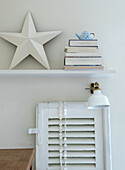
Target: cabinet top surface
[(16, 158)]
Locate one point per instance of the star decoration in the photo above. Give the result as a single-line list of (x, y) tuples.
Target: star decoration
[(29, 42)]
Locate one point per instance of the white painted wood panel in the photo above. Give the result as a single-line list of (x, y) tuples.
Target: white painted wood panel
[(87, 133)]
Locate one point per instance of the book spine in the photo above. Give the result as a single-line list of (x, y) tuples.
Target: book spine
[(83, 43), (83, 40), (82, 54), (83, 46), (82, 67), (81, 50), (82, 61), (77, 57)]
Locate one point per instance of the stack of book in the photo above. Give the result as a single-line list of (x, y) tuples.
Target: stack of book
[(82, 54)]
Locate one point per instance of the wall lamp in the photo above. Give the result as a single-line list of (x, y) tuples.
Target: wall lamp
[(97, 100)]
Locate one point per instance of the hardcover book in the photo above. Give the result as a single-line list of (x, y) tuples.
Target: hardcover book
[(83, 43), (82, 67), (81, 49), (82, 61), (82, 54)]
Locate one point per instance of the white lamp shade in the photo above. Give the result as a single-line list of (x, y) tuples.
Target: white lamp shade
[(98, 100)]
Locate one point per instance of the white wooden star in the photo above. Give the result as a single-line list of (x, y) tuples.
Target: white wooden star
[(29, 42)]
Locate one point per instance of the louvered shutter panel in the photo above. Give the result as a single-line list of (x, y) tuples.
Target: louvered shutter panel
[(70, 137)]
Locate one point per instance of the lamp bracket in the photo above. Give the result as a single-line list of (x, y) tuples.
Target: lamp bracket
[(93, 87)]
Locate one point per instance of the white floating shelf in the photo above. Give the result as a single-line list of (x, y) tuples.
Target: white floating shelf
[(83, 73)]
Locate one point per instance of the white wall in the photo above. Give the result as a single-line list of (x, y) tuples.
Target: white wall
[(20, 95)]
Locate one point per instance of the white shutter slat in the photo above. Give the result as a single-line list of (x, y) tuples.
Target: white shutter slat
[(74, 147), (70, 129), (74, 167), (77, 142), (73, 135), (74, 161), (72, 155), (71, 121), (88, 140)]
